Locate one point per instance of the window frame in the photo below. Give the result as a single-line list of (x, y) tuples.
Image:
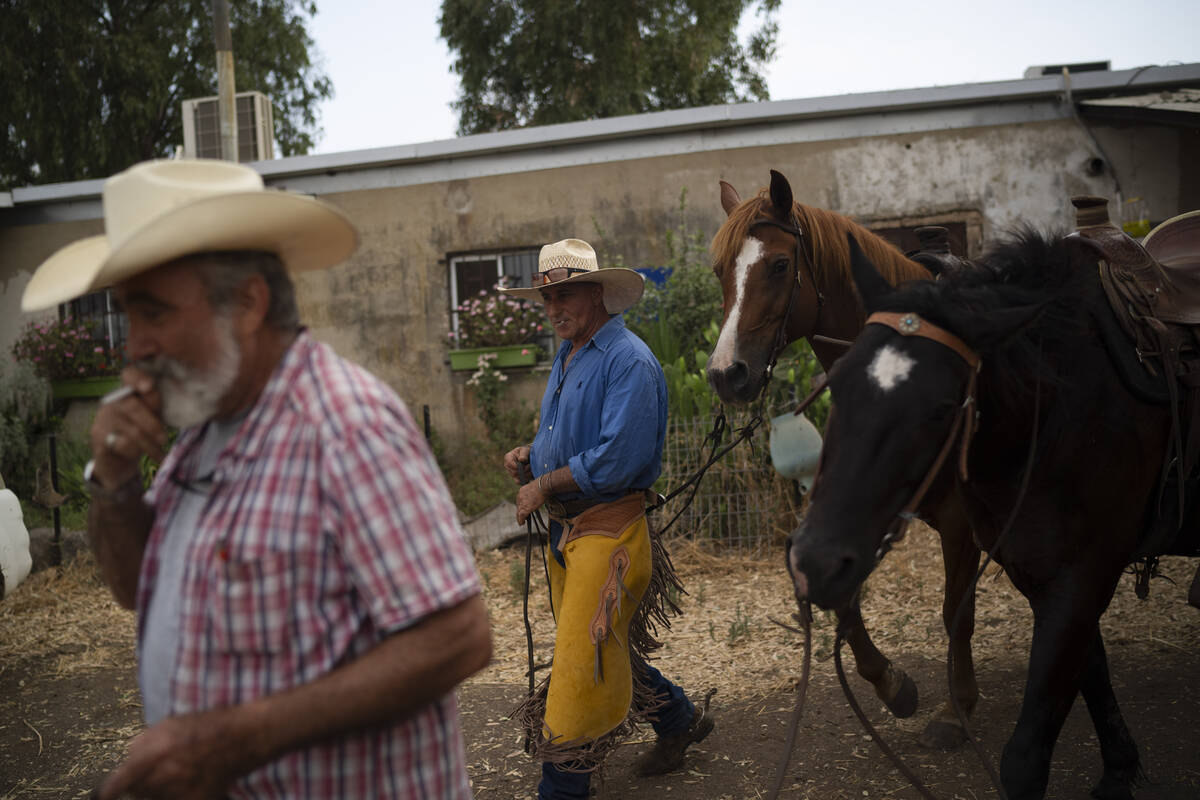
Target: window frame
[(547, 342), (112, 319)]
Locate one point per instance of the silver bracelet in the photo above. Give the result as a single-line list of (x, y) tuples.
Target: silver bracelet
[(131, 488)]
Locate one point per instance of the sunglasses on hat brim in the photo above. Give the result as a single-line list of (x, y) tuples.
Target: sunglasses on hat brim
[(555, 275)]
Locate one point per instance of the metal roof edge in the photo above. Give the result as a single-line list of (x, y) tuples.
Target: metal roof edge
[(768, 111), (1083, 84)]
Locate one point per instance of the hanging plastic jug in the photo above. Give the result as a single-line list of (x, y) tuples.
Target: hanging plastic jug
[(795, 448)]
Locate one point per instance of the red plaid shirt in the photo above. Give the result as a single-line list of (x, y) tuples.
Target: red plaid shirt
[(326, 527)]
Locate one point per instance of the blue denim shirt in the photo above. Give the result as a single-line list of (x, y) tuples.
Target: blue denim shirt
[(605, 415)]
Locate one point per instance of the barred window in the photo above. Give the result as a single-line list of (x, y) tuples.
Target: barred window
[(98, 308), (473, 273)]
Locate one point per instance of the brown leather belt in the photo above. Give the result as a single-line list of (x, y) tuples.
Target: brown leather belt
[(566, 509)]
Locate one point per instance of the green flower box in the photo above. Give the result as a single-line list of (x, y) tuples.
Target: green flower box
[(508, 355), (76, 388)]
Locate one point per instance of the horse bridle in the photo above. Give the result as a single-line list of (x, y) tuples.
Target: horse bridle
[(792, 226), (965, 419)]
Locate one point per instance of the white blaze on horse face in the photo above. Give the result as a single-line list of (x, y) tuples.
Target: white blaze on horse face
[(890, 368), (723, 354)]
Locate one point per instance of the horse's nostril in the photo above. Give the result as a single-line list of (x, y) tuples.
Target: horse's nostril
[(845, 568), (737, 374)]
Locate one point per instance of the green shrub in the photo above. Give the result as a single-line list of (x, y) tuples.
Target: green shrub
[(24, 420)]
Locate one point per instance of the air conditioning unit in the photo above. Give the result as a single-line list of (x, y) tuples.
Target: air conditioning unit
[(255, 123)]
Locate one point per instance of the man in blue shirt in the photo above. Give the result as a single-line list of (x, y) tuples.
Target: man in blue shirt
[(597, 451)]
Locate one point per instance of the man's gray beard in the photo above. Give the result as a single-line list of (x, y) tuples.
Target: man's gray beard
[(191, 396)]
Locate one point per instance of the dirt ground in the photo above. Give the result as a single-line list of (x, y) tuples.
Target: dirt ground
[(69, 702)]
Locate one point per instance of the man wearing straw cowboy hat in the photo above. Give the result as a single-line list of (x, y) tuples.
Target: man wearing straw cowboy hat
[(306, 600), (597, 451)]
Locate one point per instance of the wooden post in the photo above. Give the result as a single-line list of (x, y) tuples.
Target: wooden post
[(226, 104)]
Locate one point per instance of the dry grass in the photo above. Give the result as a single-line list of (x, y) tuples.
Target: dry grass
[(66, 613), (725, 638)]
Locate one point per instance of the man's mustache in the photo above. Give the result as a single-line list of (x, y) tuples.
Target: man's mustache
[(159, 367)]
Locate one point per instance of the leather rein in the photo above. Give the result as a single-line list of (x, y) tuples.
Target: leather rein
[(965, 419)]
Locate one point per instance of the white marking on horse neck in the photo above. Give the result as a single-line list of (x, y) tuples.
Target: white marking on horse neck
[(890, 368), (723, 354)]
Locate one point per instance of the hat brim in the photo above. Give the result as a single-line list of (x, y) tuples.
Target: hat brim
[(305, 233), (623, 287)]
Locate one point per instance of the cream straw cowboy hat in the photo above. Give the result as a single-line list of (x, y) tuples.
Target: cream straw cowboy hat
[(158, 211), (574, 261)]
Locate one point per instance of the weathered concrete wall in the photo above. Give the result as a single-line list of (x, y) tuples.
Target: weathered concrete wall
[(22, 249), (389, 309)]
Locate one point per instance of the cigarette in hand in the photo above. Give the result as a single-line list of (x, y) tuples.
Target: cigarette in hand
[(117, 394)]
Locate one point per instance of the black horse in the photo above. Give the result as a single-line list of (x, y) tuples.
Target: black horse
[(1063, 456)]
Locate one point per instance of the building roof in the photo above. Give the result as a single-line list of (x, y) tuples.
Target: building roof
[(1175, 107), (664, 133)]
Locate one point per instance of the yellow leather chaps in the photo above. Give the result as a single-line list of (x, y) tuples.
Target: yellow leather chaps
[(608, 566)]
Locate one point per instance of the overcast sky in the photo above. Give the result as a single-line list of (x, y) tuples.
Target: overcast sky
[(393, 84)]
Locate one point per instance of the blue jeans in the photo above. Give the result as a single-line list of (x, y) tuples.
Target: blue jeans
[(672, 718)]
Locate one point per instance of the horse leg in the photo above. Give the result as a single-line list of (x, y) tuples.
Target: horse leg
[(1122, 767), (960, 555), (893, 686), (1066, 626)]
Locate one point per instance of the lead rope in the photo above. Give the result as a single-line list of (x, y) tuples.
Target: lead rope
[(958, 613), (525, 611), (804, 617)]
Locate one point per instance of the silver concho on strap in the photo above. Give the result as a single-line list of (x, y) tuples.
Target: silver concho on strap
[(909, 323)]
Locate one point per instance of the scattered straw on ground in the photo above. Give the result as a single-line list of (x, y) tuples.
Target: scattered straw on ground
[(66, 613), (725, 638)]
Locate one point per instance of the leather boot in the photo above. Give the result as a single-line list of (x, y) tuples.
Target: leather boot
[(667, 753)]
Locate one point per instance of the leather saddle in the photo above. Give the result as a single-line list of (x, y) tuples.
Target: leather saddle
[(934, 251), (1153, 290)]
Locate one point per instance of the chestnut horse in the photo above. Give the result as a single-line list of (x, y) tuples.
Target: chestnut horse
[(768, 273), (1061, 480)]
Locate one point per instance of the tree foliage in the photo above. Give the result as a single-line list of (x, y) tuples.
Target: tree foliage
[(536, 62), (93, 86)]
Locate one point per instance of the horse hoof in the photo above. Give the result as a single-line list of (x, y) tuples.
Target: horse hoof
[(903, 701), (945, 736)]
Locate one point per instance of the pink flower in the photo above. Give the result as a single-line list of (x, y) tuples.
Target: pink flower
[(70, 354), (98, 350), (524, 351)]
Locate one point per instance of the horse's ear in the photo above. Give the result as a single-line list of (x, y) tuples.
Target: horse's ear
[(781, 194), (730, 199), (871, 285)]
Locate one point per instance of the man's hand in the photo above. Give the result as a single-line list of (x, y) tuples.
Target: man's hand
[(127, 429), (189, 757), (529, 499), (516, 463)]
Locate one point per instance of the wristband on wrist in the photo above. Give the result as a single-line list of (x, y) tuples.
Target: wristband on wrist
[(131, 488)]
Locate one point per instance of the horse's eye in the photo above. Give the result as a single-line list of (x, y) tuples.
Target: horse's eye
[(779, 266)]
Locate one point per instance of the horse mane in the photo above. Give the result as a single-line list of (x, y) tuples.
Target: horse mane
[(826, 232), (1025, 269)]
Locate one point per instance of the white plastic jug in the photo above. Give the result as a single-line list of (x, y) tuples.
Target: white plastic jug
[(795, 448), (15, 561)]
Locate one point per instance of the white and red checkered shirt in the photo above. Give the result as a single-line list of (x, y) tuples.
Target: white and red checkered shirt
[(326, 527)]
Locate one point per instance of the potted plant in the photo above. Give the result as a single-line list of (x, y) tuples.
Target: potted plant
[(494, 323), (73, 355)]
